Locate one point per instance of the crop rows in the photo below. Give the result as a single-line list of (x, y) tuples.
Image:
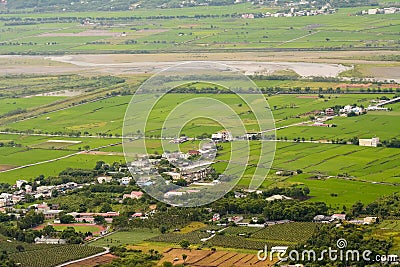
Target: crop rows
[(54, 256), (296, 232), (193, 237), (240, 242), (241, 230)]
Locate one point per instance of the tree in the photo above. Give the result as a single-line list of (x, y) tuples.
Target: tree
[(99, 220), (66, 219), (105, 208), (99, 165), (184, 257), (54, 193), (29, 198), (20, 248), (184, 243), (163, 229), (181, 182), (48, 230)]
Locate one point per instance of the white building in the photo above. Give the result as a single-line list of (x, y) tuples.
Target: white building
[(104, 179), (174, 175), (125, 180), (373, 142), (53, 241), (277, 197), (19, 183), (222, 136)]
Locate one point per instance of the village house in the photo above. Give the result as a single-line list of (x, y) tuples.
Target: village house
[(370, 220), (252, 136), (348, 109), (139, 163), (329, 112), (42, 207), (133, 195), (339, 217), (179, 140), (174, 175), (235, 219), (173, 193), (43, 191), (322, 219), (104, 179), (19, 183), (277, 197), (194, 153), (216, 217), (195, 175), (222, 136), (125, 180), (51, 214), (89, 216), (175, 156), (373, 142), (28, 188)]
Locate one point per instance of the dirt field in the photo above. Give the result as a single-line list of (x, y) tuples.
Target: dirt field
[(149, 63), (207, 258), (308, 96), (6, 167), (101, 153), (105, 259), (100, 227), (80, 34)]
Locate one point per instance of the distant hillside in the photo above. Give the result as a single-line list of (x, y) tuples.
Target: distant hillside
[(120, 5)]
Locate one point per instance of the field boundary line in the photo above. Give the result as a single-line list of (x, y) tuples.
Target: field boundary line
[(107, 250), (59, 158)]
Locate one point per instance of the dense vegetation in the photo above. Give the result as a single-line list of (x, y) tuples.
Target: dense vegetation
[(384, 207), (358, 238), (117, 5)]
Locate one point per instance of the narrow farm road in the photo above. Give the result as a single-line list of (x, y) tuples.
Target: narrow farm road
[(59, 158), (107, 250)]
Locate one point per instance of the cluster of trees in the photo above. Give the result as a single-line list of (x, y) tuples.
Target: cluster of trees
[(69, 234), (82, 176), (22, 231), (272, 210), (9, 144), (387, 206), (297, 192), (358, 238), (394, 143), (13, 112), (133, 257)]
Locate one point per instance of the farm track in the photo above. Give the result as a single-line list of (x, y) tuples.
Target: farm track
[(59, 158), (107, 250)]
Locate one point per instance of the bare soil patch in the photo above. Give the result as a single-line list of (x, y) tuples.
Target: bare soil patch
[(104, 259), (152, 30), (80, 34), (101, 153), (4, 167), (308, 96), (207, 258)]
